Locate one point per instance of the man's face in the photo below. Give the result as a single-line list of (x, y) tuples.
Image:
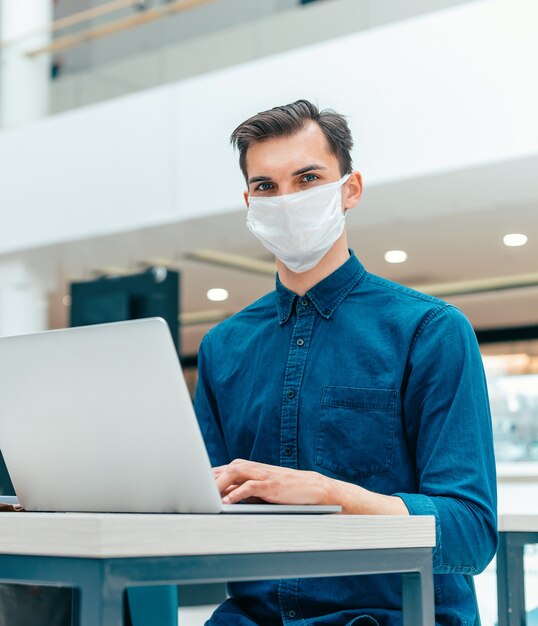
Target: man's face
[(283, 165)]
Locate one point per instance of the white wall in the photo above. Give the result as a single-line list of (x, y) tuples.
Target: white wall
[(445, 91)]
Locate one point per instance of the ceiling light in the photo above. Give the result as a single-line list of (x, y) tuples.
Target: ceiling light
[(217, 294), (515, 239), (395, 256)]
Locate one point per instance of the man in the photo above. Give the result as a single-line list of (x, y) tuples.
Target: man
[(340, 387)]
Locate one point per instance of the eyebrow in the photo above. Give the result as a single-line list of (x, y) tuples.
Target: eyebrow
[(302, 170), (308, 168)]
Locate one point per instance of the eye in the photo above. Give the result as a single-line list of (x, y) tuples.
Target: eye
[(264, 187), (308, 178)]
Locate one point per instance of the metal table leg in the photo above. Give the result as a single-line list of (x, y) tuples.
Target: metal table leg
[(100, 595), (511, 577), (418, 597), (100, 603)]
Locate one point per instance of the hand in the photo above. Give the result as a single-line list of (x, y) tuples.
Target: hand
[(11, 508), (249, 481), (243, 480)]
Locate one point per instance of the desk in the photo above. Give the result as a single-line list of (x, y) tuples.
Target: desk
[(515, 532), (103, 554)]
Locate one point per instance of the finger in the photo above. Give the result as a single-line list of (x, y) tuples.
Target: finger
[(249, 489), (225, 481), (230, 488), (238, 474), (217, 470)]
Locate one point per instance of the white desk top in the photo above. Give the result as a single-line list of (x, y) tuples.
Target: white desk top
[(518, 523), (130, 535)]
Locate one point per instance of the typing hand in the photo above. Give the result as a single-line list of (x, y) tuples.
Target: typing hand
[(248, 481)]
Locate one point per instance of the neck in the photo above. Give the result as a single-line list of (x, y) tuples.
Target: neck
[(300, 283)]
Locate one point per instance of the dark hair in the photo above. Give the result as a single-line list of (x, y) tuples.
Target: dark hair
[(289, 119)]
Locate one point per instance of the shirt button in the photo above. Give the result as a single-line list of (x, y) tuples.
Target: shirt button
[(288, 451), (291, 613), (304, 302), (291, 393), (326, 311), (300, 342)]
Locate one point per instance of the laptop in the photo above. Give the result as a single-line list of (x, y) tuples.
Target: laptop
[(99, 418)]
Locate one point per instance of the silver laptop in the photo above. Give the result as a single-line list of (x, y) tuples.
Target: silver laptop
[(99, 418)]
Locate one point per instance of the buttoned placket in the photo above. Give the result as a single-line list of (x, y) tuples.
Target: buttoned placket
[(293, 377)]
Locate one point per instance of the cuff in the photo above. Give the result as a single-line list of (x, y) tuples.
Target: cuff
[(419, 504)]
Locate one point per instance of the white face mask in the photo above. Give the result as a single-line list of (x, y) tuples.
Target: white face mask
[(299, 228)]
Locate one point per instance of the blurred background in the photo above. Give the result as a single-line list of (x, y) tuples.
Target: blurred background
[(120, 196)]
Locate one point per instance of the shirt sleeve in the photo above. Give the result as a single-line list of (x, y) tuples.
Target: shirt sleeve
[(206, 407), (448, 424)]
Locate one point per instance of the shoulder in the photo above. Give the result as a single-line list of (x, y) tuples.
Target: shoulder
[(422, 311), (401, 299), (401, 293)]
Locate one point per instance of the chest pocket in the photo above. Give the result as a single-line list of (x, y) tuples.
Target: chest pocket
[(356, 431)]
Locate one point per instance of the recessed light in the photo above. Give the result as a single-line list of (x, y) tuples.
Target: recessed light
[(515, 239), (395, 256), (217, 294)]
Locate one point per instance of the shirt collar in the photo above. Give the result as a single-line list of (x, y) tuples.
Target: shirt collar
[(327, 295)]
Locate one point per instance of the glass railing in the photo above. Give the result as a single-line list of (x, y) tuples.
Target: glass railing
[(117, 47)]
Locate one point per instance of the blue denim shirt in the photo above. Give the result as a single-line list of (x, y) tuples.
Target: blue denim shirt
[(370, 382)]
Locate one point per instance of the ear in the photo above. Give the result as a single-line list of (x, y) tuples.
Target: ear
[(353, 185), (245, 196)]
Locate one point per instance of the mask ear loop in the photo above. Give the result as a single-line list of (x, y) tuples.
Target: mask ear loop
[(344, 180)]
